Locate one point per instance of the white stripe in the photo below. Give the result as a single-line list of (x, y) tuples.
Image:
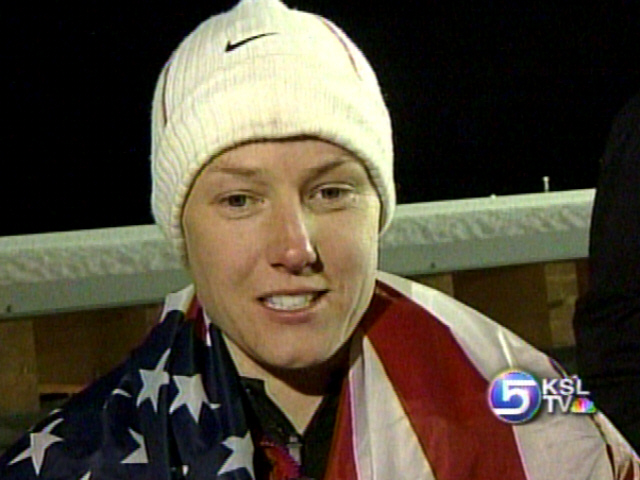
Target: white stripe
[(361, 439), (178, 301), (558, 446), (387, 446)]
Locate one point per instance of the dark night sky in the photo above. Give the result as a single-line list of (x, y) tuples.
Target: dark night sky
[(486, 98)]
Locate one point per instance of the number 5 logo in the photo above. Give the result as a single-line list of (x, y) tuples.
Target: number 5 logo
[(514, 396)]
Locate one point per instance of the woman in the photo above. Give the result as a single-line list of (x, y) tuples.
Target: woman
[(291, 356)]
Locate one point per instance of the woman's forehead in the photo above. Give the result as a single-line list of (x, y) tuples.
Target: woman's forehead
[(314, 156)]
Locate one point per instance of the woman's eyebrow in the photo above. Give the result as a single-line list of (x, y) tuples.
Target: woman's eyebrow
[(313, 172), (239, 171), (258, 173)]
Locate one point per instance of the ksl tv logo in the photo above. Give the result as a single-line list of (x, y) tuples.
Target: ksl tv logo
[(516, 396)]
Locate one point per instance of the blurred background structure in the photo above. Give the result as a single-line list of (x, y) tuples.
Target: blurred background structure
[(486, 98)]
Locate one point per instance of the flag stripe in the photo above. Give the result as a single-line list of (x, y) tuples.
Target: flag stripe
[(441, 392), (342, 465)]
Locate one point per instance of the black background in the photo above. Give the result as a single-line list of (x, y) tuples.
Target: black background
[(486, 98)]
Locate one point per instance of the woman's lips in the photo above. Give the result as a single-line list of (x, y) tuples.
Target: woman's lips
[(291, 302)]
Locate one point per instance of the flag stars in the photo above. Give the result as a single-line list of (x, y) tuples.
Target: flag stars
[(191, 394), (39, 444), (139, 455), (152, 382), (121, 392), (241, 454)]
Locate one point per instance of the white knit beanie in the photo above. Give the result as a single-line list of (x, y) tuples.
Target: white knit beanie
[(263, 71)]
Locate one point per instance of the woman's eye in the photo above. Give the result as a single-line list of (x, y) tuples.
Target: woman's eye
[(240, 205), (237, 200), (332, 193), (333, 196)]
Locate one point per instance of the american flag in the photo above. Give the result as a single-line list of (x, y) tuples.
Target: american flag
[(413, 406), (171, 411)]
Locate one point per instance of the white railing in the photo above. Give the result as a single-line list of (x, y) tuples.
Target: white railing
[(133, 265)]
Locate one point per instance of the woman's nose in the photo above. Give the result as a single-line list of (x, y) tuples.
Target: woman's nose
[(292, 238)]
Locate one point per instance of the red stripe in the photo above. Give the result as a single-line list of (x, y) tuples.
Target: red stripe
[(441, 391), (629, 474), (195, 314), (341, 459)]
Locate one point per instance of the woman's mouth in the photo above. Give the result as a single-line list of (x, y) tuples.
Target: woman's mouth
[(291, 302)]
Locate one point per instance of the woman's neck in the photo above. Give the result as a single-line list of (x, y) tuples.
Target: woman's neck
[(298, 393)]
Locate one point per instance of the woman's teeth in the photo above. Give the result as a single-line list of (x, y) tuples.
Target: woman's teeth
[(290, 302)]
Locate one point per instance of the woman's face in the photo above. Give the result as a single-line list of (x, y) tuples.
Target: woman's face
[(282, 244)]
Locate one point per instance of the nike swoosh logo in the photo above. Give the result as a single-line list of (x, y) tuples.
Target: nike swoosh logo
[(232, 46)]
